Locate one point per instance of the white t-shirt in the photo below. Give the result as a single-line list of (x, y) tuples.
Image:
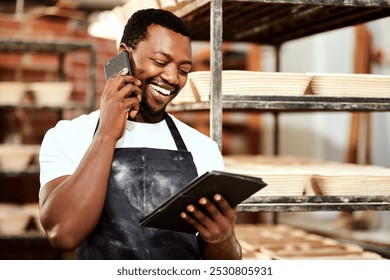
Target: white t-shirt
[(64, 146)]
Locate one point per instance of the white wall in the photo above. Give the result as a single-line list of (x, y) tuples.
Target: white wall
[(325, 135), (381, 121)]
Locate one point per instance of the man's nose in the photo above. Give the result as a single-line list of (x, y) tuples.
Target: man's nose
[(170, 75)]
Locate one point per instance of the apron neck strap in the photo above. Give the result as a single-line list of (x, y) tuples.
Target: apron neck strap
[(175, 133), (172, 128), (96, 127)]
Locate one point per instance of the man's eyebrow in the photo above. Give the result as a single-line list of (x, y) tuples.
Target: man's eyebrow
[(167, 55)]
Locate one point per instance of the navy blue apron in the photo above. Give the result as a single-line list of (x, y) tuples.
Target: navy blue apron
[(140, 180)]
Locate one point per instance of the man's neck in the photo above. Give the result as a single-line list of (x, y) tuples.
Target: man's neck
[(148, 118)]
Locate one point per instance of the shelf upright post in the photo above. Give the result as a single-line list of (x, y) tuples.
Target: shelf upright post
[(276, 113), (61, 70), (92, 78), (19, 9), (216, 72), (275, 216)]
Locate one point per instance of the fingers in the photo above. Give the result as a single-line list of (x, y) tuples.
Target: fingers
[(127, 86), (132, 96), (222, 203), (189, 218), (124, 89), (213, 218), (133, 110), (121, 79), (211, 212), (210, 207)]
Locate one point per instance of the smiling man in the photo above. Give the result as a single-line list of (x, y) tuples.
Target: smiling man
[(102, 172)]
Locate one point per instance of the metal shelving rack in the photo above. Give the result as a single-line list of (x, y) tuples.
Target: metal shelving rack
[(315, 203), (61, 48), (274, 22), (35, 240), (291, 103)]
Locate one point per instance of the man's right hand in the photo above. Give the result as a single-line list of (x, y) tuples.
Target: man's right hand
[(119, 101)]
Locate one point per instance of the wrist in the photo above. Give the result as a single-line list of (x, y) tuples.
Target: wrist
[(228, 249), (104, 139)]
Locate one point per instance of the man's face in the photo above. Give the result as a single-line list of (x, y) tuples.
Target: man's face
[(162, 63)]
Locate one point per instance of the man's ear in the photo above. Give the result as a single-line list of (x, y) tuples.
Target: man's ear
[(123, 47)]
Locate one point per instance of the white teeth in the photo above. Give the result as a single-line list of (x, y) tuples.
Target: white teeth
[(160, 89)]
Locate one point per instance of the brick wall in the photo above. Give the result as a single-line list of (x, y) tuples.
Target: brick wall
[(43, 67), (30, 67)]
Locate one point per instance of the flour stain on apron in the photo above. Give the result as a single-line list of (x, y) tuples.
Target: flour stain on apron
[(140, 180)]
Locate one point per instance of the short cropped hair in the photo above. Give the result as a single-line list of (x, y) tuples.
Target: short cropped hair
[(136, 29)]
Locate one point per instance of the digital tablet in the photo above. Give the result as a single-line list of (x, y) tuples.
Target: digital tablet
[(235, 188)]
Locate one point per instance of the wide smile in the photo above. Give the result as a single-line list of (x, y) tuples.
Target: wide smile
[(160, 90)]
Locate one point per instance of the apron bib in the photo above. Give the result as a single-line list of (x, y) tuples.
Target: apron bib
[(140, 180)]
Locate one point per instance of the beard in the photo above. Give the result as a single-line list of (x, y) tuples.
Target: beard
[(148, 111)]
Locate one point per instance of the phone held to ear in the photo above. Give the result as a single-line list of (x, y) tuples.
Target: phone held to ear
[(116, 64)]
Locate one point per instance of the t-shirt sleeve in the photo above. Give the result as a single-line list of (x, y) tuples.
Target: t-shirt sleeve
[(54, 157)]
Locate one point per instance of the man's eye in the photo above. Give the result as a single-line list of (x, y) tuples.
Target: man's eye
[(184, 72), (159, 62)]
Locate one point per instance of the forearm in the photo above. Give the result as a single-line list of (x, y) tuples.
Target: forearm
[(227, 250), (72, 209)]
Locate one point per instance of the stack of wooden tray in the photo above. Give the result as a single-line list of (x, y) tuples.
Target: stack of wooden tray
[(287, 175), (237, 82), (254, 83), (282, 242), (351, 85)]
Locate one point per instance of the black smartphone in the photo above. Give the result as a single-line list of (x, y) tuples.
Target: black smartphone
[(116, 64)]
